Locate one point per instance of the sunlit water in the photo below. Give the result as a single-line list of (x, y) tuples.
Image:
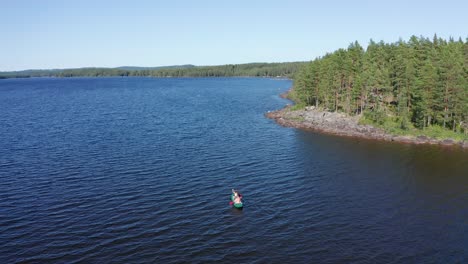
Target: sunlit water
[(139, 170)]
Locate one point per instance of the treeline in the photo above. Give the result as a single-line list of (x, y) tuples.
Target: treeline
[(286, 69), (416, 83)]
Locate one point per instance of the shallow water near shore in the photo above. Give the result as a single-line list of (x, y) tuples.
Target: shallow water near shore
[(140, 170)]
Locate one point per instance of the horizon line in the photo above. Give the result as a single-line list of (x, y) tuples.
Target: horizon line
[(144, 67)]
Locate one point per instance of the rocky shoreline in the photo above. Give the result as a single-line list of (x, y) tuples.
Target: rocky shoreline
[(342, 125)]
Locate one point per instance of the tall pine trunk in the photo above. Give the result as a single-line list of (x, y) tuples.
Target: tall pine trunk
[(336, 101), (446, 103)]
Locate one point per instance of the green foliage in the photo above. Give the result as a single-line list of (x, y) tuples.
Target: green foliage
[(404, 123), (441, 133), (286, 69), (298, 106), (378, 117), (393, 126), (420, 83)]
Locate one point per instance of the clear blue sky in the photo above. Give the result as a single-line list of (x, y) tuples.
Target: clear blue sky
[(66, 34)]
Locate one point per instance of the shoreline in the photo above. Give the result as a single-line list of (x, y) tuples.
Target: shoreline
[(340, 124), (156, 77)]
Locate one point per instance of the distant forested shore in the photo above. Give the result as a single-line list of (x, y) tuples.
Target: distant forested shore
[(415, 87), (285, 69)]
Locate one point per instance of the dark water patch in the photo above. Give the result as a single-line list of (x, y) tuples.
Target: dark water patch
[(140, 170)]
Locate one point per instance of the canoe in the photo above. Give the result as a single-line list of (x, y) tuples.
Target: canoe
[(236, 205)]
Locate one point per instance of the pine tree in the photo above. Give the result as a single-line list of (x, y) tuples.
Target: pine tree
[(421, 81)]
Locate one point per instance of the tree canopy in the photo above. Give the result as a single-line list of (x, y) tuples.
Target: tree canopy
[(286, 69), (420, 82)]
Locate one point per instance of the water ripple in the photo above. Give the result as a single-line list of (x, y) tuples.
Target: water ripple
[(139, 170)]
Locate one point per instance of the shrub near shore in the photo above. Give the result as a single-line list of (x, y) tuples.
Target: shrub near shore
[(394, 126)]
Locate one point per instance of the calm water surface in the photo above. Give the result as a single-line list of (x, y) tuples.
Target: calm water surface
[(139, 170)]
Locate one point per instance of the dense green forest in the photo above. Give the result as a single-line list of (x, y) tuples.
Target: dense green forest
[(286, 69), (415, 84)]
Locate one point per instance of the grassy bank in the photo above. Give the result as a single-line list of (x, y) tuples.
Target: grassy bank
[(402, 127)]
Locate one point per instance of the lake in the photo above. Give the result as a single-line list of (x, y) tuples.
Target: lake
[(140, 170)]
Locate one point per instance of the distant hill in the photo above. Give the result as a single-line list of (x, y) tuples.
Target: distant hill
[(137, 68), (284, 69), (54, 72), (29, 73)]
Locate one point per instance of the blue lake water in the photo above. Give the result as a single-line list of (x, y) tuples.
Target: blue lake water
[(139, 170)]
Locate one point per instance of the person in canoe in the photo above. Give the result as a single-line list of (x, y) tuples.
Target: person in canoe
[(237, 197)]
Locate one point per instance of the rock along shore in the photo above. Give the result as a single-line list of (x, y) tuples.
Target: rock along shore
[(343, 125)]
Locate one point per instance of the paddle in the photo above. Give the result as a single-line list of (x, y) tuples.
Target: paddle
[(231, 202)]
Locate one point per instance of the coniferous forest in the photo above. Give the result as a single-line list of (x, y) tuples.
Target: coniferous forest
[(285, 69), (416, 84)]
